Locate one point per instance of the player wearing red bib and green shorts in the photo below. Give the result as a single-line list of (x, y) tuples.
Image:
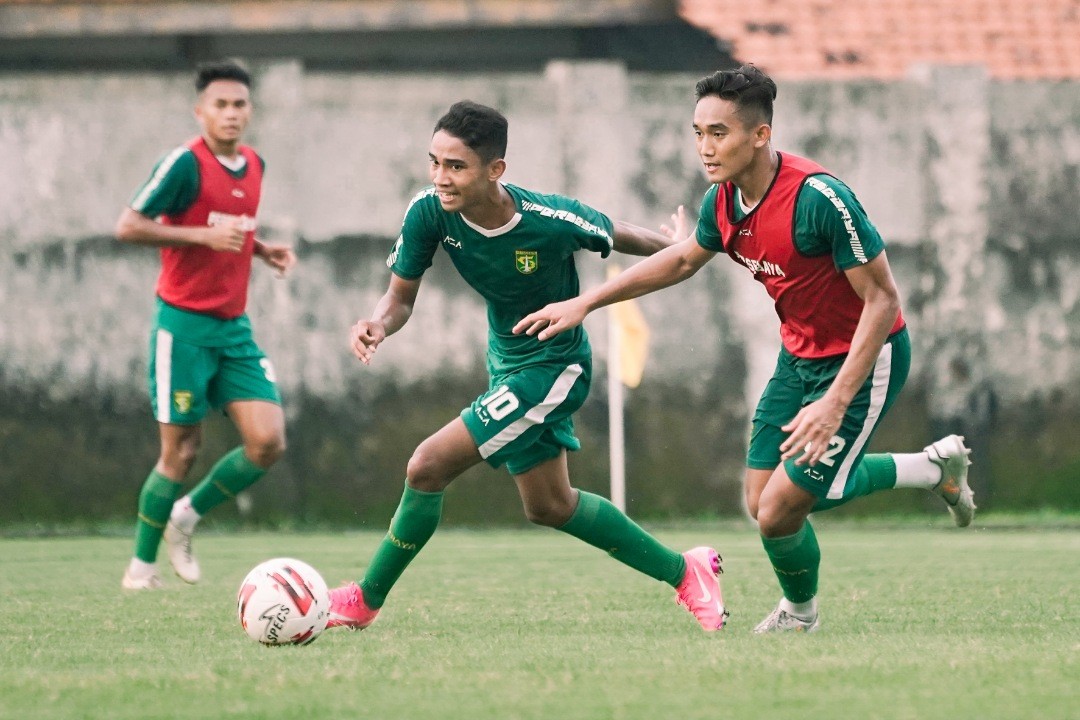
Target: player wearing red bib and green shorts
[(199, 207), (516, 249), (802, 234)]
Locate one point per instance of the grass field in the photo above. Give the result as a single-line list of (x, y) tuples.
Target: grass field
[(919, 621)]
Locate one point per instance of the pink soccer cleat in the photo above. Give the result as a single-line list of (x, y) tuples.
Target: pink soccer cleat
[(699, 591), (348, 609)]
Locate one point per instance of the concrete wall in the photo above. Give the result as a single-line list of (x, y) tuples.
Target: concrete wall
[(974, 185)]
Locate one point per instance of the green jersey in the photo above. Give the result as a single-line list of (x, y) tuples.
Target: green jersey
[(518, 268)]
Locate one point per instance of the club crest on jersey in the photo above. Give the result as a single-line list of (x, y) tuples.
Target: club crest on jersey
[(182, 401), (526, 261)]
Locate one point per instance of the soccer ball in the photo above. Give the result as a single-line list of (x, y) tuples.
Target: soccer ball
[(283, 602)]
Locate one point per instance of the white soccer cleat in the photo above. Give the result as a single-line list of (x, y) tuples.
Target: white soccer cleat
[(178, 545), (151, 581), (951, 455), (780, 620)]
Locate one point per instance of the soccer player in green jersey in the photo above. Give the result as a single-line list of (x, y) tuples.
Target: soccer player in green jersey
[(516, 248), (199, 207), (801, 233)]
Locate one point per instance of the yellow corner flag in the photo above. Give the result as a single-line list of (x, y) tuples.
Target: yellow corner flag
[(633, 338)]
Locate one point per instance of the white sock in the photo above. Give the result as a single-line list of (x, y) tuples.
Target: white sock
[(803, 611), (139, 569), (184, 516), (915, 470)]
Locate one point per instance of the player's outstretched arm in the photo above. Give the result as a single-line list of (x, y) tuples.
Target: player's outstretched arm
[(134, 227), (391, 313), (671, 265), (631, 239)]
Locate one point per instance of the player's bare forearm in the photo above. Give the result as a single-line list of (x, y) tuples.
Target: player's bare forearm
[(391, 313), (874, 284), (134, 227), (631, 239), (671, 265)]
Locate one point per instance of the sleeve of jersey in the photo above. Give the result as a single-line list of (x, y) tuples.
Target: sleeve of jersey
[(172, 187), (835, 222), (417, 243), (593, 229), (707, 232)]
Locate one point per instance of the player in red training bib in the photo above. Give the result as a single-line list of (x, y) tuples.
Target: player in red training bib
[(845, 352), (199, 208)]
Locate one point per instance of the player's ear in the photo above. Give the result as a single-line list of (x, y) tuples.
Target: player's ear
[(762, 135), (496, 169)]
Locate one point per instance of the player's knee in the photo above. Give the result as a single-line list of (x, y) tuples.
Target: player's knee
[(178, 458), (425, 472), (265, 449), (776, 520), (549, 513)]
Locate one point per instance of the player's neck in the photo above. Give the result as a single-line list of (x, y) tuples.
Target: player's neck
[(223, 148), (758, 176), (497, 209)]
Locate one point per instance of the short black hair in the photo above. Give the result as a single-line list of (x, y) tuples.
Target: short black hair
[(482, 128), (207, 73), (748, 87)]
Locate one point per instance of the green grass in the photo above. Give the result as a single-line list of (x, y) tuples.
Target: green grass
[(919, 620)]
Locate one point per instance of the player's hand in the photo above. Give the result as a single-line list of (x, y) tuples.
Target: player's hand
[(365, 337), (226, 237), (279, 257), (550, 320), (812, 430), (680, 226)]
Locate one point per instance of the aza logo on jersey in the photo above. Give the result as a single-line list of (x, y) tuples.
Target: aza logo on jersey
[(452, 242), (526, 261)]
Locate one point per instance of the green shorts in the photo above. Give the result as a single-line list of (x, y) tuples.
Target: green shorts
[(187, 378), (798, 382), (525, 418)]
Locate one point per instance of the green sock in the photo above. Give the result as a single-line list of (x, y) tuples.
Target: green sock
[(412, 526), (155, 503), (231, 474), (602, 525), (795, 560), (874, 472)]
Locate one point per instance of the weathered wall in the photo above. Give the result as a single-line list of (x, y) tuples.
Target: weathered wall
[(974, 184)]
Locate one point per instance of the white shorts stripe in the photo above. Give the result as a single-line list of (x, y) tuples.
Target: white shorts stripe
[(536, 415), (163, 374), (879, 389)]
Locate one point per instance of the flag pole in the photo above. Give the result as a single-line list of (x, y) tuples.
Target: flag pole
[(616, 439)]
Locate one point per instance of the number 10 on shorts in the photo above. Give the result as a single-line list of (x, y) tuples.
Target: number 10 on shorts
[(500, 402)]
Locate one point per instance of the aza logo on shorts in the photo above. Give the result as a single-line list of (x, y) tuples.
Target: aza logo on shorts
[(526, 261), (182, 401)]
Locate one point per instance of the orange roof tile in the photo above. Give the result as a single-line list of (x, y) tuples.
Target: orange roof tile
[(1014, 39)]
